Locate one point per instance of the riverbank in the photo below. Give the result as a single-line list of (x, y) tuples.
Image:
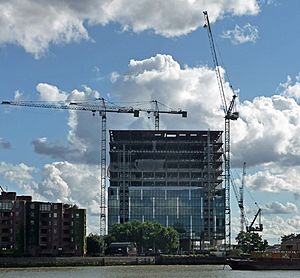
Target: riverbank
[(73, 261), (6, 262)]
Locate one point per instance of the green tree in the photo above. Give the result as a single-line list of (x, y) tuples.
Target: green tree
[(147, 235), (95, 245), (179, 227), (249, 242)]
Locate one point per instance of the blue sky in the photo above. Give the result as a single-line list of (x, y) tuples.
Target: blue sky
[(143, 50)]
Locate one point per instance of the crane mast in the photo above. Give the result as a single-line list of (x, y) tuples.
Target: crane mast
[(102, 108), (229, 115), (241, 199)]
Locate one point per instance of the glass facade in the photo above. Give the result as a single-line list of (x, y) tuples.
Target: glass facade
[(174, 178)]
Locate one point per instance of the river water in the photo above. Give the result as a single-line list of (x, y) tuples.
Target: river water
[(188, 271)]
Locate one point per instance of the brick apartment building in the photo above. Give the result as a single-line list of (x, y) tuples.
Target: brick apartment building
[(40, 228)]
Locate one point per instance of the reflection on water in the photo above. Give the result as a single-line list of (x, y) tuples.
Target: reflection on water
[(180, 271)]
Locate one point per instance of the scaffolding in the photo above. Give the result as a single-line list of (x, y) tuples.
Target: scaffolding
[(169, 160)]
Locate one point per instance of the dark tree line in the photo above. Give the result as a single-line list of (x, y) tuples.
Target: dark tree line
[(148, 236)]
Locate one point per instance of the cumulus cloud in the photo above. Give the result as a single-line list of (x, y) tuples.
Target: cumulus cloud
[(267, 131), (162, 78), (279, 208), (239, 35), (157, 78), (20, 174), (84, 132), (58, 182), (274, 177), (66, 182), (277, 226), (35, 25), (290, 88)]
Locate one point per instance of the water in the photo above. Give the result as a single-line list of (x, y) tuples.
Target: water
[(190, 271)]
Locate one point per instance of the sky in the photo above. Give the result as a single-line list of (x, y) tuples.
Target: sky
[(137, 51)]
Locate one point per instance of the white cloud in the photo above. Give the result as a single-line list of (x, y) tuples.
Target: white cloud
[(59, 182), (18, 95), (162, 78), (68, 183), (267, 131), (279, 208), (20, 174), (35, 25), (159, 77), (274, 177), (50, 93), (277, 226), (239, 35), (291, 89)]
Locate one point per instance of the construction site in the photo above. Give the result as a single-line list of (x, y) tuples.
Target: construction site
[(171, 177), (179, 178)]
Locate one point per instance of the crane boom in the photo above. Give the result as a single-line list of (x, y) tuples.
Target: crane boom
[(215, 60), (258, 228), (102, 107), (229, 115), (73, 106)]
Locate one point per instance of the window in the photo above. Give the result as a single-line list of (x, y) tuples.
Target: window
[(55, 215), (6, 205), (45, 207)]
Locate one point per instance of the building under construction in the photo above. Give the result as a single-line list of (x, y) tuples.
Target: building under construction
[(171, 177)]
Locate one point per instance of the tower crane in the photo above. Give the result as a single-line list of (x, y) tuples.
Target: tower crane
[(230, 115), (102, 108)]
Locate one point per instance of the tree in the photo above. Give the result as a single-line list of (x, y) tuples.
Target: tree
[(249, 242), (95, 245), (179, 227), (147, 236)]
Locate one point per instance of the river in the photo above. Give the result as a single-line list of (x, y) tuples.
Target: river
[(185, 271)]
